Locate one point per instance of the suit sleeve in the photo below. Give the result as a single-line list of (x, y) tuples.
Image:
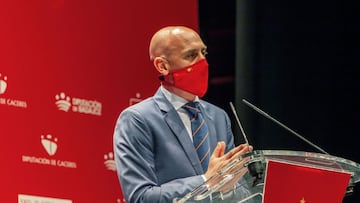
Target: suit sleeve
[(230, 137), (134, 156)]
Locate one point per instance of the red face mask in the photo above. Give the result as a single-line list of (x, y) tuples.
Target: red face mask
[(193, 78)]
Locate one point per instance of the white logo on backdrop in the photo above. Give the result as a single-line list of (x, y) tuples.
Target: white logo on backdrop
[(109, 161), (78, 105), (49, 143), (110, 165), (63, 102), (3, 83), (9, 101), (135, 100), (38, 199), (118, 200)]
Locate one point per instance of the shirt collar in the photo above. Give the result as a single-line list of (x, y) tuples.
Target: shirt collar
[(175, 100)]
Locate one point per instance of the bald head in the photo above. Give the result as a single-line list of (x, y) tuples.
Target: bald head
[(168, 39)]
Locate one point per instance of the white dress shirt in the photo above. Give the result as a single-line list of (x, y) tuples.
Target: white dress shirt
[(177, 103)]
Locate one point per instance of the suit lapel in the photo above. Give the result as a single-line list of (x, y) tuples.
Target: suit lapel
[(182, 136), (174, 122)]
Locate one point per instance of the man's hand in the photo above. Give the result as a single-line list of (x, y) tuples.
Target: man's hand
[(219, 160)]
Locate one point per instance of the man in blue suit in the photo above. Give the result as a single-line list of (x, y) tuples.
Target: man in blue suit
[(153, 144)]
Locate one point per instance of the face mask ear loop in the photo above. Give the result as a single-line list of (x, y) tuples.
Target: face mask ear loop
[(161, 77)]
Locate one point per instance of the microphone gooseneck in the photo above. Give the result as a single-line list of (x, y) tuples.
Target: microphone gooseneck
[(351, 185), (284, 126), (238, 122), (255, 167)]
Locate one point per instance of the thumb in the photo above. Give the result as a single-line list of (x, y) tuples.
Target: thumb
[(219, 149)]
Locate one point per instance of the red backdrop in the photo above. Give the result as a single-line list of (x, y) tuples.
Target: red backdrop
[(67, 69)]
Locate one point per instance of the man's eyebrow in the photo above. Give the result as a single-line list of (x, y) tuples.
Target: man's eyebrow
[(189, 51), (192, 50)]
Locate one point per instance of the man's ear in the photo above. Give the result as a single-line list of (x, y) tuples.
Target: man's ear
[(161, 65)]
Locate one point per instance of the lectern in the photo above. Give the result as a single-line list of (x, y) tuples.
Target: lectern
[(276, 176)]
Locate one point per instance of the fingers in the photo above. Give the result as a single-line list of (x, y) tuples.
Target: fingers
[(238, 151), (219, 159), (219, 150), (246, 146)]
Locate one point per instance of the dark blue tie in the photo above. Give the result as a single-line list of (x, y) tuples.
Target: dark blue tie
[(200, 133)]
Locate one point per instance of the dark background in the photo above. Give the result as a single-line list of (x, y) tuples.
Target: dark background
[(297, 61)]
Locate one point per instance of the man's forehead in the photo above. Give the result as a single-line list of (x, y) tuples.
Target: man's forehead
[(184, 42)]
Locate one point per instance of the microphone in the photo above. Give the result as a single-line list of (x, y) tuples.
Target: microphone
[(239, 123), (282, 125), (255, 168), (349, 190)]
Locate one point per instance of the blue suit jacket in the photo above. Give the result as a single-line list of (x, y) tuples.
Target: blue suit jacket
[(155, 158)]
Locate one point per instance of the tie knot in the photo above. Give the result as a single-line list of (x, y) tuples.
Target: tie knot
[(192, 108)]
